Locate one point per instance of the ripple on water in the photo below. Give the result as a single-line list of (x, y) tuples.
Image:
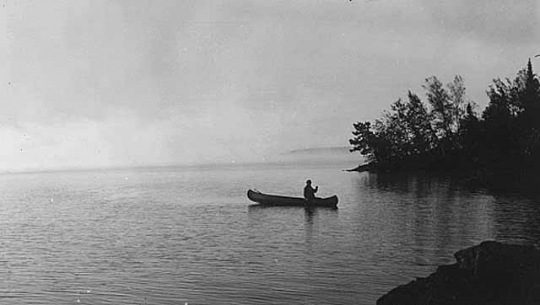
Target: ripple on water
[(180, 235)]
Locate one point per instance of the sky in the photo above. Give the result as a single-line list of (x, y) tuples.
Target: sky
[(105, 83)]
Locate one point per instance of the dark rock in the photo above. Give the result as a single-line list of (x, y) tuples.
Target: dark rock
[(490, 273)]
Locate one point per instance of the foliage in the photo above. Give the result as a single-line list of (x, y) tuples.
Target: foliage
[(442, 110), (446, 132)]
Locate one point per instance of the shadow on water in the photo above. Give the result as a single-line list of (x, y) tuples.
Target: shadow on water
[(517, 219), (429, 216), (310, 213), (255, 207), (435, 214), (260, 210)]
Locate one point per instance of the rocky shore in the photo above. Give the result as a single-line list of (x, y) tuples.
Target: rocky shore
[(490, 273)]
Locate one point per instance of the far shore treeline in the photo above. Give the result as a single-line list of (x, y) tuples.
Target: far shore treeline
[(498, 147)]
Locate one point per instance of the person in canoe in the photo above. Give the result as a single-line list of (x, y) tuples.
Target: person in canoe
[(309, 191)]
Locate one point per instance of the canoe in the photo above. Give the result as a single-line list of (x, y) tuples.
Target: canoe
[(276, 200)]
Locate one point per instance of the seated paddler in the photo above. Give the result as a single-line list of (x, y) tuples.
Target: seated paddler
[(309, 191)]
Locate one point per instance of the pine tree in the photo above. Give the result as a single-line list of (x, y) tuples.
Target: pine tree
[(529, 98)]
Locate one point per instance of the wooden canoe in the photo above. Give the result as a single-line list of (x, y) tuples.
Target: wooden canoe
[(276, 200)]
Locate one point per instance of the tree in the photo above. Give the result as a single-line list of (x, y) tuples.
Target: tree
[(377, 143), (500, 131), (403, 135), (470, 137), (418, 120), (501, 108), (528, 93), (501, 145), (469, 124), (456, 92), (363, 140), (442, 109)]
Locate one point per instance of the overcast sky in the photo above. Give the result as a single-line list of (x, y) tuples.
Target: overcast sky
[(114, 83)]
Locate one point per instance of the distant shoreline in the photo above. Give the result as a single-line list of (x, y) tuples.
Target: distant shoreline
[(323, 161)]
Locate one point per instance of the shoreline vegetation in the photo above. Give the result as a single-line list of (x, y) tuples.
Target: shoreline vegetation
[(498, 149)]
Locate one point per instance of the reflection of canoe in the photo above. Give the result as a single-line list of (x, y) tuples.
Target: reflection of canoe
[(265, 199)]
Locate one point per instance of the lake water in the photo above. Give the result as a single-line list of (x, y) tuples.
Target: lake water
[(188, 235)]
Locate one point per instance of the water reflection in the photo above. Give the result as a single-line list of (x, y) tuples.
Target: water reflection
[(309, 212), (447, 216), (517, 219), (180, 237), (431, 216), (308, 224)]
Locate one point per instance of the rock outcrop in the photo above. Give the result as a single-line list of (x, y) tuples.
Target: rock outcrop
[(490, 273)]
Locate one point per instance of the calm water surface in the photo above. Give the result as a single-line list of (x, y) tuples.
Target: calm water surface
[(190, 236)]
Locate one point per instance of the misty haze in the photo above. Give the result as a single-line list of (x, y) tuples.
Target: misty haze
[(269, 152)]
